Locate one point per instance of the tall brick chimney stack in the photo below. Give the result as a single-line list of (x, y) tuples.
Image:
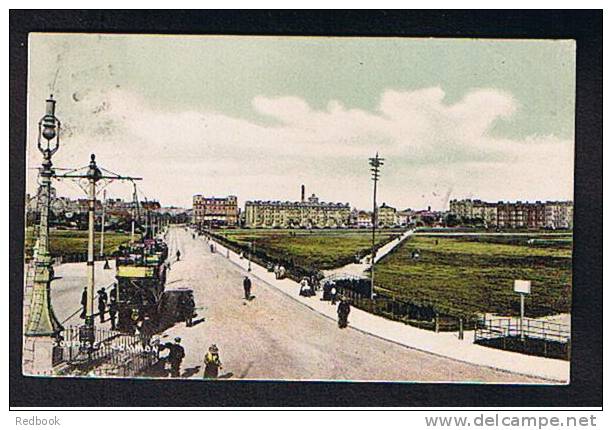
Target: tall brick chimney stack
[(303, 193)]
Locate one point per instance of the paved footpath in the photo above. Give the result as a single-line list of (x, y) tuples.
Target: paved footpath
[(278, 336), (359, 269)]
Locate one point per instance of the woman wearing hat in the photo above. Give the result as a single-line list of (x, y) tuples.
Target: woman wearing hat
[(212, 363)]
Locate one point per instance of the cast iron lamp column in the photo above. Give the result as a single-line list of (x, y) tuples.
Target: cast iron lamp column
[(41, 318)]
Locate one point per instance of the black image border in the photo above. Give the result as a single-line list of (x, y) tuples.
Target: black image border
[(585, 389)]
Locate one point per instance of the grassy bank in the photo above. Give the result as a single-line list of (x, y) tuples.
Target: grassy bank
[(308, 249), (469, 274), (70, 242)]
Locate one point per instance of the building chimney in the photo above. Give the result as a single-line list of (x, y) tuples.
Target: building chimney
[(303, 193)]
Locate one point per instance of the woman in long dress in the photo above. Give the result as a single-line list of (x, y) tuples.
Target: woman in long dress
[(212, 363)]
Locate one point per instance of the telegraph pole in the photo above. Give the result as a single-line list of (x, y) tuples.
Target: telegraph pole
[(375, 164), (103, 222), (134, 211)]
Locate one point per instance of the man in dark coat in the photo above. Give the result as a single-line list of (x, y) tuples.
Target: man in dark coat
[(175, 357), (344, 308), (102, 301), (112, 312), (188, 307), (246, 283)]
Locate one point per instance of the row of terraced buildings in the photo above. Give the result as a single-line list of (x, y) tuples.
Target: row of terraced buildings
[(531, 215)]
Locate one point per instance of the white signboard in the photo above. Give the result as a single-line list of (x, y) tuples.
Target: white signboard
[(523, 287)]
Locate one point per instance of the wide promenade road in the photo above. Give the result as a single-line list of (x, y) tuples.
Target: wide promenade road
[(275, 337)]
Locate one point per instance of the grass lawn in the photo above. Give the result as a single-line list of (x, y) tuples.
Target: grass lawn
[(64, 242), (467, 274), (309, 249)]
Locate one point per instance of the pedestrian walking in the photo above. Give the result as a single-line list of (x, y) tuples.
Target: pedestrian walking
[(246, 284), (102, 301), (178, 255), (175, 356), (188, 308), (212, 363), (112, 312), (344, 308), (145, 331)]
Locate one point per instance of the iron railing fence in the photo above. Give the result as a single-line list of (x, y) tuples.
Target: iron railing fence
[(488, 328), (420, 314), (110, 353), (535, 337)]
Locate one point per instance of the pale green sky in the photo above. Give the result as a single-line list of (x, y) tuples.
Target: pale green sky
[(223, 77)]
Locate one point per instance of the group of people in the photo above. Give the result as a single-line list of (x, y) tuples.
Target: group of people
[(306, 289), (344, 307), (176, 354), (103, 305), (309, 285)]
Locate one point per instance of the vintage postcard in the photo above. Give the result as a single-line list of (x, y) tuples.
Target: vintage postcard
[(299, 208)]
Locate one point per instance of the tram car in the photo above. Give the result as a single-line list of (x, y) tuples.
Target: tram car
[(141, 279)]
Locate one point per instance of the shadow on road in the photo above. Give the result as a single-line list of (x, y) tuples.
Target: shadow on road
[(188, 373), (246, 371), (157, 370), (198, 321)]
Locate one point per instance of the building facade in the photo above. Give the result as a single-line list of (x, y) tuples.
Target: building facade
[(405, 217), (364, 219), (215, 211), (387, 216), (550, 214), (307, 213)]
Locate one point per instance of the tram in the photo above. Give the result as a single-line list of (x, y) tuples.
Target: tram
[(141, 280)]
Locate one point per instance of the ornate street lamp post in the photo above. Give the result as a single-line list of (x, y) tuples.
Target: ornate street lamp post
[(42, 328), (41, 318)]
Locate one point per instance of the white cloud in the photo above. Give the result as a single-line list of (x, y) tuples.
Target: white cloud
[(431, 147)]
